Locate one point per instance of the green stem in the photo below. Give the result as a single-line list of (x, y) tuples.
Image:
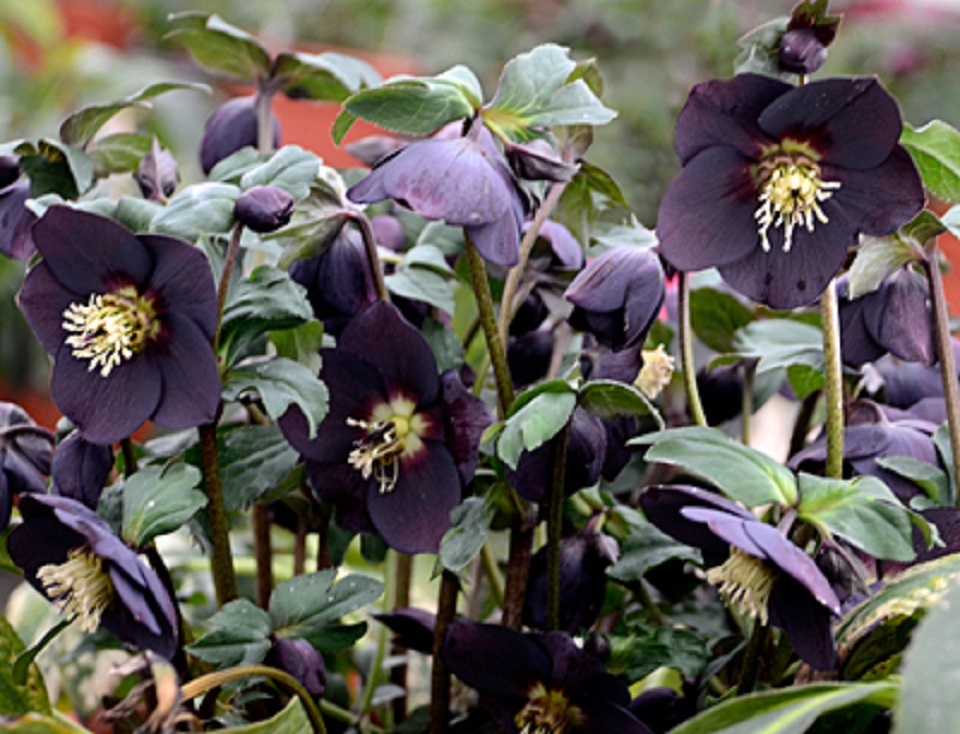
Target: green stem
[(129, 457), (223, 287), (263, 553), (221, 561), (401, 599), (375, 673), (643, 594), (833, 385), (555, 528), (751, 658), (687, 367), (746, 404), (518, 569), (492, 573), (440, 676), (338, 713), (941, 329), (264, 122), (210, 681)]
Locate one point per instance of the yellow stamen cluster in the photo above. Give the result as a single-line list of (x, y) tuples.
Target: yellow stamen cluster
[(80, 586), (110, 328), (656, 373), (549, 712), (791, 191), (376, 453), (746, 582)]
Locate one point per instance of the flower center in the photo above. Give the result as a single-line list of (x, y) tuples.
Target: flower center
[(376, 453), (791, 191), (110, 328), (656, 373), (744, 581), (80, 586), (548, 712)]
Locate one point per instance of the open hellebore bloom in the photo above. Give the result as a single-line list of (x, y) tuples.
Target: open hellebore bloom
[(755, 566), (618, 296), (462, 180), (779, 181), (399, 440), (73, 558), (534, 684), (128, 320), (26, 451)]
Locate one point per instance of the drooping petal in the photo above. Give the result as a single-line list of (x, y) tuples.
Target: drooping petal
[(80, 469), (706, 215), (188, 368), (43, 299), (183, 279), (89, 253), (15, 221), (342, 485), (414, 628), (806, 623), (466, 417), (724, 113), (901, 319), (105, 410)]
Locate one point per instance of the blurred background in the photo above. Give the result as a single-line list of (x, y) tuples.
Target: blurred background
[(58, 55)]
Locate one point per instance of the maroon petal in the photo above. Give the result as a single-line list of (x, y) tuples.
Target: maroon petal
[(900, 318), (602, 717), (89, 253), (724, 113), (414, 516), (183, 278), (853, 123), (105, 409), (706, 216), (188, 368), (466, 417), (342, 485), (498, 241), (43, 299), (806, 623), (382, 337)]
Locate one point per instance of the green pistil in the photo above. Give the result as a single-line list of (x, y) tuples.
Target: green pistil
[(110, 328), (80, 586)]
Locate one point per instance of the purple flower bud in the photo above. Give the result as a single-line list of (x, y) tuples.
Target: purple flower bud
[(299, 658), (15, 221), (232, 127), (801, 52), (80, 469), (538, 161), (157, 174), (264, 208)]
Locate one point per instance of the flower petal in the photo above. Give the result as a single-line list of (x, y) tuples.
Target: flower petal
[(466, 417), (43, 299), (900, 318), (183, 278), (342, 485), (806, 624), (105, 409), (706, 216)]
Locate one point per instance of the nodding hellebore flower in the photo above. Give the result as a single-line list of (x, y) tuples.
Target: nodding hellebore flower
[(26, 451), (128, 320), (264, 208), (399, 441), (538, 683), (617, 297), (463, 180), (72, 557), (231, 127), (779, 181), (756, 567)]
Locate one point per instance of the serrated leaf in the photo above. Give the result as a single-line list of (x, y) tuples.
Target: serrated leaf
[(862, 511), (649, 648), (608, 399), (534, 424), (647, 547), (716, 316), (789, 711), (156, 502), (414, 106), (18, 700), (281, 384), (292, 720), (253, 461), (936, 149), (220, 47), (80, 127), (241, 636), (118, 153), (422, 284), (780, 343), (470, 524), (291, 168), (326, 77), (204, 208), (316, 599), (877, 259), (739, 472)]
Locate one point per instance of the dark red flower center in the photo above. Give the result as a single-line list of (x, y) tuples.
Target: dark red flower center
[(548, 712), (110, 328), (81, 586)]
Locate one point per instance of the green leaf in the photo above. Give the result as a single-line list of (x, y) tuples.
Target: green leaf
[(220, 47), (292, 720), (941, 439), (325, 77), (862, 511), (334, 638), (936, 149), (536, 422), (789, 711), (136, 214), (18, 700), (931, 479), (157, 501), (716, 316), (877, 259), (414, 106), (470, 524), (55, 168), (608, 399), (759, 50), (241, 636), (80, 127), (281, 384), (649, 648), (740, 472), (268, 300), (194, 210), (317, 599), (804, 380), (43, 724), (780, 343), (253, 461), (931, 667), (291, 168), (446, 347), (647, 547), (301, 344), (418, 277), (118, 153)]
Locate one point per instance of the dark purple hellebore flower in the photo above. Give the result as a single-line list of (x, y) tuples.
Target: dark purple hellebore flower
[(73, 558), (754, 565), (128, 320), (399, 441), (617, 297), (557, 246), (15, 221), (80, 469), (231, 127), (264, 208), (303, 661), (462, 180), (529, 356), (895, 318), (779, 181), (538, 683), (26, 451), (803, 47), (413, 628), (338, 281)]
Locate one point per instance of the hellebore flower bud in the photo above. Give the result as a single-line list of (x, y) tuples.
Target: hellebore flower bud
[(264, 208), (801, 52), (157, 174), (15, 218), (232, 127), (80, 469), (300, 659)]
